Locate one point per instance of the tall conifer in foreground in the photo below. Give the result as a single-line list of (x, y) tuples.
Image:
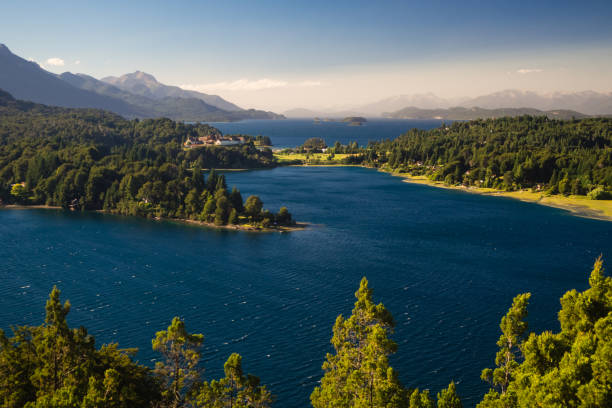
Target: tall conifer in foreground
[(178, 371), (358, 373), (572, 368)]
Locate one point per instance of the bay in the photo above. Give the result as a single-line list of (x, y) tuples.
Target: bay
[(446, 263), (294, 132)]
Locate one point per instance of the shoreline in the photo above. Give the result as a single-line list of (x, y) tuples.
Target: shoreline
[(298, 226), (29, 207), (579, 206)]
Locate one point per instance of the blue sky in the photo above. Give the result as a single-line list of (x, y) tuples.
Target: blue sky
[(278, 53)]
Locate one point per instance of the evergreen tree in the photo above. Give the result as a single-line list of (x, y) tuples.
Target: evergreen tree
[(211, 181), (236, 200), (222, 211), (209, 208), (54, 366), (358, 374), (421, 399), (181, 352), (233, 217), (513, 329), (448, 398), (221, 184), (197, 179), (66, 355), (283, 217), (253, 207), (103, 393), (235, 390), (566, 369), (193, 205)]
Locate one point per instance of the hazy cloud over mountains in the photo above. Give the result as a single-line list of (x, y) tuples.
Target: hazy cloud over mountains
[(245, 84)]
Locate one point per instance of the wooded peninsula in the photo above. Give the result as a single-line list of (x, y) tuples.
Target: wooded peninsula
[(85, 159)]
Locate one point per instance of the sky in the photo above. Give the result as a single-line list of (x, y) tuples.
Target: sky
[(278, 55)]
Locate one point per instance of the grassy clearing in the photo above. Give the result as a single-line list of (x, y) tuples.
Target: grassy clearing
[(312, 158)]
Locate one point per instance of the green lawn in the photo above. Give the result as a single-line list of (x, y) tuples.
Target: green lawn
[(313, 158)]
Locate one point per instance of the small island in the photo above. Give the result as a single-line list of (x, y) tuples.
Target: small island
[(355, 120)]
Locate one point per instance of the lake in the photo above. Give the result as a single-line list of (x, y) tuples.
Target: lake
[(446, 263), (293, 132)]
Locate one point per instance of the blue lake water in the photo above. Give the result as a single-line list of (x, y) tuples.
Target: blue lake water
[(446, 263), (293, 132)]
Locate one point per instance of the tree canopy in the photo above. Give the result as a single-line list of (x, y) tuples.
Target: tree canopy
[(53, 365), (566, 157), (94, 160)]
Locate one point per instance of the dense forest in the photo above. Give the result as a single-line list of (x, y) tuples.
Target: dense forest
[(95, 160), (559, 157), (53, 365)]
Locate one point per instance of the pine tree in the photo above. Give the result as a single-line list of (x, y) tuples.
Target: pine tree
[(513, 329), (209, 209), (181, 352), (221, 184), (448, 398), (358, 374), (253, 207), (211, 181), (235, 390), (421, 399), (103, 393), (65, 355), (197, 179), (570, 368), (236, 200), (233, 217)]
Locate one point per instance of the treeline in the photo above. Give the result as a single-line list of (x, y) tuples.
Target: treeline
[(52, 365), (565, 157), (55, 366), (94, 160)]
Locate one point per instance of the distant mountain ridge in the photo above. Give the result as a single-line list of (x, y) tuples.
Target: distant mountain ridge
[(585, 102), (188, 109), (461, 113), (27, 81), (141, 83), (588, 102)]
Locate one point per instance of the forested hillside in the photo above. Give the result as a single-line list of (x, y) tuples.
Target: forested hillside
[(567, 157), (27, 80), (95, 160)]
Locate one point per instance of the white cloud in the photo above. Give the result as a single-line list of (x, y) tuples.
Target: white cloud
[(245, 84), (77, 62), (524, 71), (56, 62)]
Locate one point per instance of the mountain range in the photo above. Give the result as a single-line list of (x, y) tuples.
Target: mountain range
[(461, 113), (582, 103), (135, 95)]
